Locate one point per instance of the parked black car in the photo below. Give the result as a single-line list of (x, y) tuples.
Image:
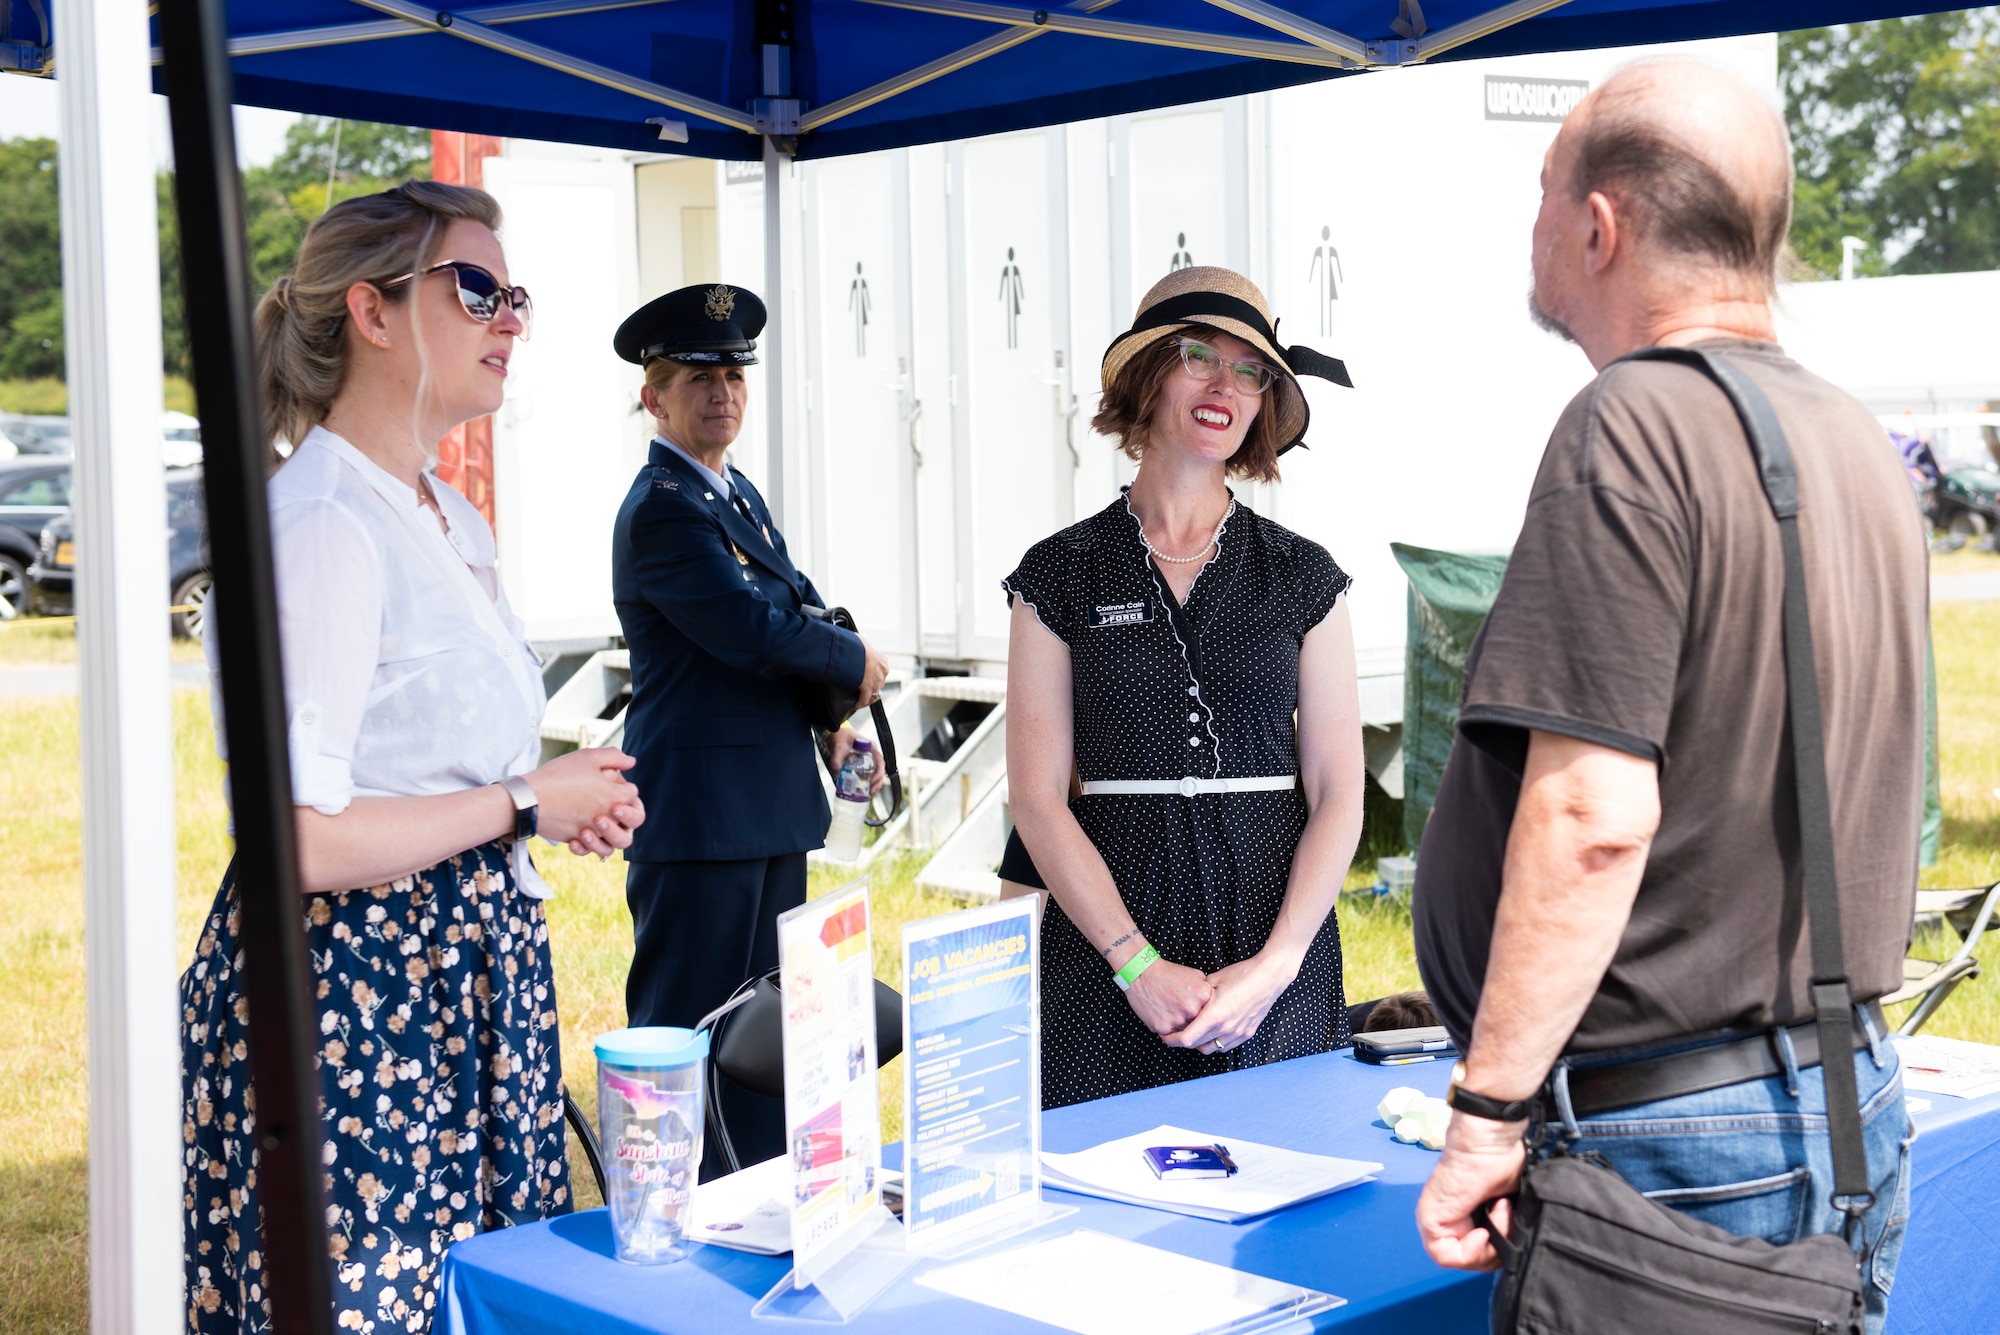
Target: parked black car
[(52, 578), (32, 492)]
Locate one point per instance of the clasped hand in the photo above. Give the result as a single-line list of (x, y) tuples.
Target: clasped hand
[(1209, 1012), (583, 799)]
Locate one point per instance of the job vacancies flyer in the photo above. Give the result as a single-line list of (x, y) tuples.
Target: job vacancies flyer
[(972, 1125)]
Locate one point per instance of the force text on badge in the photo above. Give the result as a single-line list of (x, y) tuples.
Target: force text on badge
[(1119, 614)]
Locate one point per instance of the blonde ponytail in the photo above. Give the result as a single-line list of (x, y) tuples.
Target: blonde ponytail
[(301, 324)]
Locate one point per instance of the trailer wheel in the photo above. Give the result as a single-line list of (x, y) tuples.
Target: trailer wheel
[(1968, 524), (193, 595)]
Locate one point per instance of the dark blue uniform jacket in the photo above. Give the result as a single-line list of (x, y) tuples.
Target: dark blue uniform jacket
[(727, 767)]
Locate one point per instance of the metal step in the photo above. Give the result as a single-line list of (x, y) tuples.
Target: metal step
[(571, 719), (965, 863)]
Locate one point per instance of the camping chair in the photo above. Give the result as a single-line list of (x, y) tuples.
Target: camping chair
[(747, 1046), (1970, 913)]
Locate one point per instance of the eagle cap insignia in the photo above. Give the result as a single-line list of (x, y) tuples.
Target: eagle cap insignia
[(721, 302)]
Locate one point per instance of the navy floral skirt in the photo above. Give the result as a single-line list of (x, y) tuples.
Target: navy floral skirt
[(440, 1086)]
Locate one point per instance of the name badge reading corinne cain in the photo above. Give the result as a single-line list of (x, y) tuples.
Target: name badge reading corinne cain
[(1119, 614)]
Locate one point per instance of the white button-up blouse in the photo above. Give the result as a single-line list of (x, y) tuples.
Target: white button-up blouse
[(406, 672)]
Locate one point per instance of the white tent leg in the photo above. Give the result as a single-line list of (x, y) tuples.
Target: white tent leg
[(784, 449), (111, 295)]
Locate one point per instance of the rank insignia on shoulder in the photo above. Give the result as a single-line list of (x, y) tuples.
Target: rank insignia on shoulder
[(667, 483), (1119, 614)]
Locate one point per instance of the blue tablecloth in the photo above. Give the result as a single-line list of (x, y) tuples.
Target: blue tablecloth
[(1360, 1244), (1949, 1278)]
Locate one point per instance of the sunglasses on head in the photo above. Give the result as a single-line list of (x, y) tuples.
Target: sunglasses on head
[(480, 293), (1205, 363)]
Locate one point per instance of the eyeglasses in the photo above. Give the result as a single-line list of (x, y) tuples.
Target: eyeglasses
[(1205, 363), (480, 293)]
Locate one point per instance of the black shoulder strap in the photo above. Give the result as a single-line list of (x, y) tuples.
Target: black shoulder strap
[(1832, 994), (884, 738)]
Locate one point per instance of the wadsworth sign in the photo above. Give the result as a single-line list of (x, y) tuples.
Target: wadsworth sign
[(1516, 99)]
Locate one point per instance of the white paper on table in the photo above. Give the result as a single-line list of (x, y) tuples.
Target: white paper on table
[(1933, 1065), (1095, 1284), (750, 1210), (1270, 1178)]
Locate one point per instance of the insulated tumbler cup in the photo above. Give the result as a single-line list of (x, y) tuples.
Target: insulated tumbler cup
[(649, 1117)]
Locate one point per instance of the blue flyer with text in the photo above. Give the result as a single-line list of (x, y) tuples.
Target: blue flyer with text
[(972, 1086)]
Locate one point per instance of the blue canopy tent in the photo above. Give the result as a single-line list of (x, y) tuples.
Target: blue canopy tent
[(807, 79), (741, 80), (833, 77)]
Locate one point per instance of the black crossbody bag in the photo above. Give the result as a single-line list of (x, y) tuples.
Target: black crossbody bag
[(1587, 1251), (827, 709)]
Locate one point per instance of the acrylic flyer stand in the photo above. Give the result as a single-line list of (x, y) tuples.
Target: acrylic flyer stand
[(846, 1246), (972, 1102), (972, 1157)]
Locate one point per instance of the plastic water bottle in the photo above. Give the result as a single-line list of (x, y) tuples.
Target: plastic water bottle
[(850, 793)]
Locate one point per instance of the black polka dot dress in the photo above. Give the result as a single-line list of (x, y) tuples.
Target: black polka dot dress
[(1165, 691)]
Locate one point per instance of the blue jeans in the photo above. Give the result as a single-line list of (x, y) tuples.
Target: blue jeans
[(1754, 1159)]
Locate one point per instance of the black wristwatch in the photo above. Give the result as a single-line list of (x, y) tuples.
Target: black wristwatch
[(526, 809), (1478, 1105)]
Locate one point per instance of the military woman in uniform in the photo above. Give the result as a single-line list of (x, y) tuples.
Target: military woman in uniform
[(710, 604)]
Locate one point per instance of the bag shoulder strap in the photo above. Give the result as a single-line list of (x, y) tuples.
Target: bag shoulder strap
[(884, 738), (1832, 993)]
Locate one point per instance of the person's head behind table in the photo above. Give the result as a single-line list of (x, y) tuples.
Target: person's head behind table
[(1187, 349), (695, 343), (1669, 188), (346, 311)]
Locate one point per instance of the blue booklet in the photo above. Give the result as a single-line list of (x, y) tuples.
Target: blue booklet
[(1170, 1162)]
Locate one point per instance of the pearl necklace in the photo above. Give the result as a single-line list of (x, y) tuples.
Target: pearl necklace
[(1214, 539)]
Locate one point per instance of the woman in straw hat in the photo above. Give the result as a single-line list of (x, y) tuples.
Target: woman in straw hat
[(1161, 652)]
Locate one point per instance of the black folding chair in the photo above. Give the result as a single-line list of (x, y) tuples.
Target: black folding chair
[(747, 1046), (586, 1137)]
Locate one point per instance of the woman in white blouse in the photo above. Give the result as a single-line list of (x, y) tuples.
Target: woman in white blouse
[(414, 705)]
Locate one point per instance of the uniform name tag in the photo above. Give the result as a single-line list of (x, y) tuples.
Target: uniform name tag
[(1119, 614)]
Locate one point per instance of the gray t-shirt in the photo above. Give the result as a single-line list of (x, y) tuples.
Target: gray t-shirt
[(1640, 611)]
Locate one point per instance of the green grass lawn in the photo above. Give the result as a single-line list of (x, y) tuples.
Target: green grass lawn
[(43, 1285), (48, 396)]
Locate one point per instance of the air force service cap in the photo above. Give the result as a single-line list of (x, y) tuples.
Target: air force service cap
[(701, 326)]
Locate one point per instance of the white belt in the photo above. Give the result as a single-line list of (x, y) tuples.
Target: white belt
[(1189, 787)]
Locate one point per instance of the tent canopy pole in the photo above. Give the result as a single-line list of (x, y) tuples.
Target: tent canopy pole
[(235, 450)]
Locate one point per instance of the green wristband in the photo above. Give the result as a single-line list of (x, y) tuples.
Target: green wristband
[(1135, 966)]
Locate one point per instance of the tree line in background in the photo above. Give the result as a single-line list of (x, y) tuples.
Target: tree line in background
[(322, 163), (1896, 139), (1895, 133)]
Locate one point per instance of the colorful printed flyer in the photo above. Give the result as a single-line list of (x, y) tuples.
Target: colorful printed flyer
[(971, 1082), (833, 1122)]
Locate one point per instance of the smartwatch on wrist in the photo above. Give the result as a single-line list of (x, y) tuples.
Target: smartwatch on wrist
[(1479, 1105), (526, 808)]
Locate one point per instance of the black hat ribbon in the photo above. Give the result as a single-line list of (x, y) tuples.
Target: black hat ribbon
[(1189, 307)]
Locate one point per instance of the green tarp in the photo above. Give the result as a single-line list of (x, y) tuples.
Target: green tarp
[(1450, 594)]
